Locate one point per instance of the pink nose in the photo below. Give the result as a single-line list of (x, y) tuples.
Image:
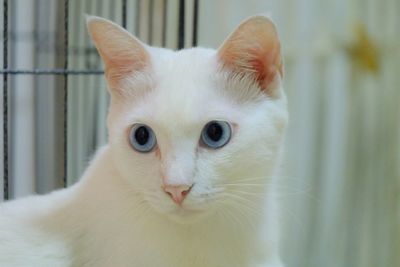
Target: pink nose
[(177, 192)]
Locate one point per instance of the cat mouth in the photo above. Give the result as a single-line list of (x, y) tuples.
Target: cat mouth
[(186, 215), (185, 211)]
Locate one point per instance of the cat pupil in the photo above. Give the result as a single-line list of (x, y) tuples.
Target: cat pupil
[(142, 135), (214, 132)]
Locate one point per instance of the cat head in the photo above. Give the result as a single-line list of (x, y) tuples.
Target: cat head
[(198, 131)]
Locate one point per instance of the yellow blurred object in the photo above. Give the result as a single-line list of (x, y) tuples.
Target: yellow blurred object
[(364, 51)]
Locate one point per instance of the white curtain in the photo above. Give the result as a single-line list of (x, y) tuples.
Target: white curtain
[(342, 174)]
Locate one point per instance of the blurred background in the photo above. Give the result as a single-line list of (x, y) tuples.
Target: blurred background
[(341, 184)]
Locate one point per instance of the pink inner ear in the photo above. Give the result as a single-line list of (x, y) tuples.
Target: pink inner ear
[(254, 48), (119, 67), (263, 76), (267, 66)]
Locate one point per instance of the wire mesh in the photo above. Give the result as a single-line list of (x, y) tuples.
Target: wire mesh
[(64, 69)]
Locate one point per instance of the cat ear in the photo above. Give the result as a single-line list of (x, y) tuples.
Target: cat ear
[(122, 53), (254, 49)]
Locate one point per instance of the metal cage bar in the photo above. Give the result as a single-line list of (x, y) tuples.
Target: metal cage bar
[(164, 23), (124, 13), (5, 100), (65, 103), (181, 25), (195, 22), (50, 72), (150, 21)]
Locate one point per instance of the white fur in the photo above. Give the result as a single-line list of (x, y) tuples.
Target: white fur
[(118, 215)]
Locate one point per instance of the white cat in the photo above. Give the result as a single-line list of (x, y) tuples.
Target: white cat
[(187, 178)]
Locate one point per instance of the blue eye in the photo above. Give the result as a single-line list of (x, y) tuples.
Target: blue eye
[(216, 134), (142, 138)]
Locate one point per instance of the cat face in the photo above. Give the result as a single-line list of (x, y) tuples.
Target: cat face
[(195, 131)]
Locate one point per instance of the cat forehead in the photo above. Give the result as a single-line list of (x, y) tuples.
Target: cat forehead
[(184, 84), (188, 67)]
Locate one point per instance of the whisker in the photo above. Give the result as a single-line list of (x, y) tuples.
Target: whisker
[(242, 213), (246, 184), (253, 194), (238, 220), (237, 200)]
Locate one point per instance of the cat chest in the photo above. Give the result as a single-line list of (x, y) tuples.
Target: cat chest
[(148, 252)]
